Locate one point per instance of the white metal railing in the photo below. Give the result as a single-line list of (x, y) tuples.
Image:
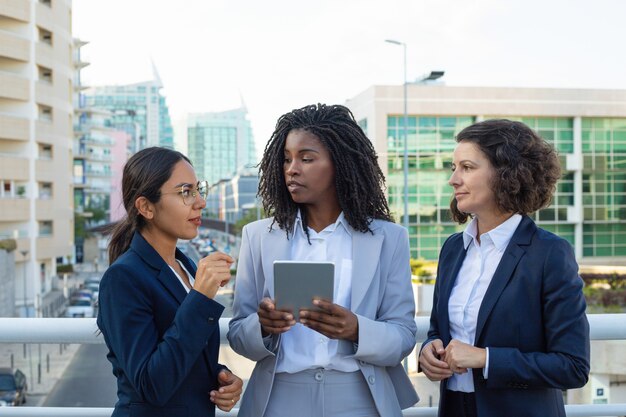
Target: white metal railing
[(85, 331)]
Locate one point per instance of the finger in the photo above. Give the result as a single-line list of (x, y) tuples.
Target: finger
[(327, 330), (267, 304), (317, 316), (325, 305), (276, 315), (217, 256), (437, 345)]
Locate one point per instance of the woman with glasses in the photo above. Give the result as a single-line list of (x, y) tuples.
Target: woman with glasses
[(157, 312), (508, 330), (321, 182)]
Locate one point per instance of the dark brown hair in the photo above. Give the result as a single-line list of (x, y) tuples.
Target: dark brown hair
[(144, 175), (526, 166), (358, 178)]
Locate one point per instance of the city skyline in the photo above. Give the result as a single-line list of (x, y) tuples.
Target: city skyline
[(281, 55)]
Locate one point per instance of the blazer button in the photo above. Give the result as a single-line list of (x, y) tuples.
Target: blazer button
[(362, 363), (319, 376), (371, 379), (211, 319)]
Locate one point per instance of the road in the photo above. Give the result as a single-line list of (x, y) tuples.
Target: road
[(86, 382)]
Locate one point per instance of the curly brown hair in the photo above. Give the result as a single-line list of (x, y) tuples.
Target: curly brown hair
[(526, 166)]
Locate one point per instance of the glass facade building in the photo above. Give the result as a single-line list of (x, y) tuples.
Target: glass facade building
[(587, 128), (138, 109), (219, 144)]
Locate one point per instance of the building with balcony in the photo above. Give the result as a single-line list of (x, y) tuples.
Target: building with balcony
[(96, 156), (138, 109), (220, 143), (587, 127), (36, 143)]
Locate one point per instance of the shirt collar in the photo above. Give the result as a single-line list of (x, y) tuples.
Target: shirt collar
[(500, 236), (341, 221)]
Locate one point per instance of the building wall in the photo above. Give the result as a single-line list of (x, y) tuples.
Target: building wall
[(587, 127), (36, 136)]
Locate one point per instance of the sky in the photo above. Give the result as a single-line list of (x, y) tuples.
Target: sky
[(278, 55)]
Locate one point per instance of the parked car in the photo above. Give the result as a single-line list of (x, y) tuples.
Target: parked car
[(80, 307), (12, 387)]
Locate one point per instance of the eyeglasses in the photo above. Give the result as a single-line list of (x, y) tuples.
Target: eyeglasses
[(189, 194)]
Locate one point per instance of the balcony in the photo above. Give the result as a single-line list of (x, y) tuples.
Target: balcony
[(16, 9), (46, 247), (76, 330), (13, 167), (14, 86), (44, 55), (13, 46), (14, 128), (15, 209)]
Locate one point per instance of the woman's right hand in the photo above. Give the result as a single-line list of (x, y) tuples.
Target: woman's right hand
[(434, 368), (273, 321), (213, 272)]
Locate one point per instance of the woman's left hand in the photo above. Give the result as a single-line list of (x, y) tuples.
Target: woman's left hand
[(229, 392), (333, 321)]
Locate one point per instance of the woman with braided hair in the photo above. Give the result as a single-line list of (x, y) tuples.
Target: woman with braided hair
[(322, 186)]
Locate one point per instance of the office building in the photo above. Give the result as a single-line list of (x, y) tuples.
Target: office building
[(220, 143), (138, 109), (587, 127)]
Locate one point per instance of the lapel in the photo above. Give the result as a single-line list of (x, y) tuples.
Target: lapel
[(449, 278), (274, 247), (365, 259), (511, 257), (164, 275)]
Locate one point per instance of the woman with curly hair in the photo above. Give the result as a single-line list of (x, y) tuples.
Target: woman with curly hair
[(508, 330), (321, 183)]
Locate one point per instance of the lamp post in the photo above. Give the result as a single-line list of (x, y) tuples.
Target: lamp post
[(405, 154), (24, 253)]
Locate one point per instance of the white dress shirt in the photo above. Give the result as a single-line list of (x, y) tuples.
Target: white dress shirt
[(302, 348), (191, 279), (471, 284)]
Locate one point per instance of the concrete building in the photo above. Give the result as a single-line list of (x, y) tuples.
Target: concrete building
[(36, 142), (231, 199), (587, 127), (220, 143), (138, 109)]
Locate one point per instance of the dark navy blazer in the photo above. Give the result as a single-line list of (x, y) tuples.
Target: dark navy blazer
[(532, 319), (163, 343)]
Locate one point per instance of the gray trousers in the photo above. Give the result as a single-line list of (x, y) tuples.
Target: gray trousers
[(320, 393)]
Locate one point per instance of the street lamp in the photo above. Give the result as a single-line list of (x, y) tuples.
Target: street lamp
[(24, 253), (405, 155)]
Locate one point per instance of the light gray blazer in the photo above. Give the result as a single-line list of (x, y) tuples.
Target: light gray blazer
[(382, 299)]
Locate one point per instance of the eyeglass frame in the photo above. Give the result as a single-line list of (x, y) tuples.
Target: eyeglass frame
[(194, 193)]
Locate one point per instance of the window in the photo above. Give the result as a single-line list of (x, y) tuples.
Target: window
[(45, 228), (45, 36), (45, 74), (45, 151), (46, 2), (45, 112), (45, 190)]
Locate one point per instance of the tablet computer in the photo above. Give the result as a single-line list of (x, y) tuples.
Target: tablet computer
[(297, 282)]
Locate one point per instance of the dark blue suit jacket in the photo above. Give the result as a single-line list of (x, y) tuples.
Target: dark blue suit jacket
[(532, 319), (163, 343)]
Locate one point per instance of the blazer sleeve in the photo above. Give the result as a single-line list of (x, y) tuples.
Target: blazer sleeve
[(244, 329), (156, 366), (565, 362), (390, 337)]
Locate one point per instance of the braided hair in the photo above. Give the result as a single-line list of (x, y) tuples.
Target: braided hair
[(359, 181)]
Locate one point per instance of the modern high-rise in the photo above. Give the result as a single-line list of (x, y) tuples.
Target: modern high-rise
[(220, 143), (138, 109), (231, 199), (587, 127), (36, 142)]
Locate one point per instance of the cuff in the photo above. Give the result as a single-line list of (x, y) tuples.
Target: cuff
[(486, 368)]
